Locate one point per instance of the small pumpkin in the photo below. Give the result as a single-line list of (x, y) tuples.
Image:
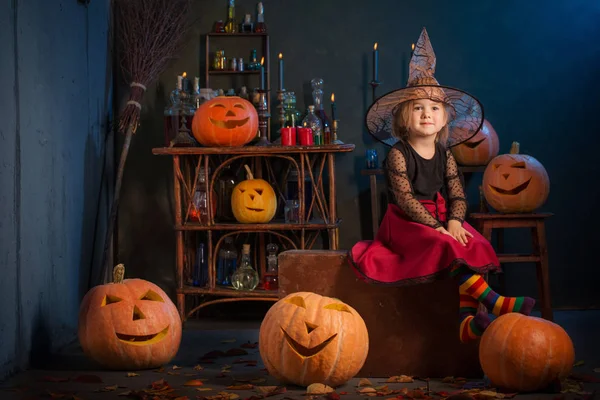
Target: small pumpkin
[(521, 353), (129, 324), (480, 149), (225, 121), (253, 201), (515, 183), (306, 338)]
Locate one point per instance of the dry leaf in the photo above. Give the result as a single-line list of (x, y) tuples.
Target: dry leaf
[(265, 389), (161, 369), (246, 386), (176, 367), (400, 379), (249, 345), (194, 382), (132, 374), (318, 388), (364, 382), (198, 367), (203, 389), (228, 341), (108, 388), (367, 390), (578, 363), (448, 379)]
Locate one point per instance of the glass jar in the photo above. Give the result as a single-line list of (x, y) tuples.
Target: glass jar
[(245, 277)]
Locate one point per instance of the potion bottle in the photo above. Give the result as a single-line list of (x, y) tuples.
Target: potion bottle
[(293, 117), (260, 26), (231, 24), (226, 262), (199, 210), (245, 276), (313, 122), (271, 280), (317, 94)]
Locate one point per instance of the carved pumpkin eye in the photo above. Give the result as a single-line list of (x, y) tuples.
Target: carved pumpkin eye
[(242, 190), (518, 165), (496, 166), (297, 300), (238, 105), (152, 296), (218, 105), (109, 299), (338, 307), (259, 191)]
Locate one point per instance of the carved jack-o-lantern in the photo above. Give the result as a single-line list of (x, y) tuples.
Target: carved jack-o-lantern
[(129, 324), (515, 183), (306, 338), (253, 201), (480, 149), (225, 121)]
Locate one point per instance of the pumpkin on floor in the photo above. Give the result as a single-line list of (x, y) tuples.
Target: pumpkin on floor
[(525, 354), (129, 324), (515, 183), (253, 201), (480, 149), (225, 121), (306, 338)]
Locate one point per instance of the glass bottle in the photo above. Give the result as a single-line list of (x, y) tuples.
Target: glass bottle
[(225, 184), (197, 98), (271, 279), (313, 122), (245, 277), (293, 117), (200, 267), (292, 189), (226, 262), (246, 26), (261, 27), (199, 211), (172, 112), (230, 24), (317, 85), (253, 64)]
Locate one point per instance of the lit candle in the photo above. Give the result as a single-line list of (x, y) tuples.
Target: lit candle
[(186, 83), (333, 106), (375, 63), (262, 73), (412, 50), (179, 82), (280, 71)]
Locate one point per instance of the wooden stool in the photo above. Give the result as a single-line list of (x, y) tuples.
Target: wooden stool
[(485, 222)]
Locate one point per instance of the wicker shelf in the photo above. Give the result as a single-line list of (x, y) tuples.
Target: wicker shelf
[(224, 72), (237, 34), (229, 292), (271, 226)]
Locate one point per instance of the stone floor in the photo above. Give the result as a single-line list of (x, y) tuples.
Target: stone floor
[(69, 375)]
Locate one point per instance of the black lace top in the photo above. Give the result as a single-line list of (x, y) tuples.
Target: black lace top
[(411, 178)]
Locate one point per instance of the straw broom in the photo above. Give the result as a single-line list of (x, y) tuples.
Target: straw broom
[(149, 32)]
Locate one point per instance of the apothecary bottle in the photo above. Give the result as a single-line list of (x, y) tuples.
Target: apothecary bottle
[(313, 122), (245, 276)]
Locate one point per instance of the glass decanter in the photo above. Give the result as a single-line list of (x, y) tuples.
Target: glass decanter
[(230, 23), (199, 211), (271, 280), (293, 117), (226, 262), (313, 122), (317, 94), (245, 277)]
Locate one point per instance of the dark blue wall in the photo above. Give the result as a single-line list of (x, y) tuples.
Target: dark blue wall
[(534, 65)]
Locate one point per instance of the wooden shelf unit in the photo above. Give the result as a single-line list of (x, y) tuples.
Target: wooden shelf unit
[(318, 161)]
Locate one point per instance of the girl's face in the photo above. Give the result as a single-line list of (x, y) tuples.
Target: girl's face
[(427, 118)]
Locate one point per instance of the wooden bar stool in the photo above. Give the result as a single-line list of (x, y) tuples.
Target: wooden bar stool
[(485, 222)]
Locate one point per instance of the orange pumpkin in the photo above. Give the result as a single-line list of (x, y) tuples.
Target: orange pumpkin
[(225, 121), (515, 183), (129, 324), (253, 201), (525, 354), (306, 338), (480, 149)]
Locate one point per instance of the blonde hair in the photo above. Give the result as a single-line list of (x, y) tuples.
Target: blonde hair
[(402, 117)]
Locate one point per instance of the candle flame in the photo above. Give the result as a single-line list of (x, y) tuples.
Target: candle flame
[(184, 75), (412, 47), (332, 97), (375, 46), (262, 61), (280, 56)]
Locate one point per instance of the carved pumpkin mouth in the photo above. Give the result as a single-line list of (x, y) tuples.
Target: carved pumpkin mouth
[(256, 209), (513, 191), (474, 144), (229, 124), (304, 351), (143, 340)]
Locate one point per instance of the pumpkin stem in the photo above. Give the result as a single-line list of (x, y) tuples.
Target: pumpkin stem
[(514, 149), (118, 273), (248, 172)]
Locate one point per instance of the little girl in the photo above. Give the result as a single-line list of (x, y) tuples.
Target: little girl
[(420, 238)]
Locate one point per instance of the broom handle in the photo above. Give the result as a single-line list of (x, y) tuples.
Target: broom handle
[(115, 204)]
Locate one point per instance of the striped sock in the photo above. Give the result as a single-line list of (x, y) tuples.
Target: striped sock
[(472, 323), (475, 286)]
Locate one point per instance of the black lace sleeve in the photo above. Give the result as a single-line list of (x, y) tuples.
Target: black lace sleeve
[(457, 209), (402, 191)]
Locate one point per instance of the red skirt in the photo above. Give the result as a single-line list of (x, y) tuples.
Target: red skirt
[(406, 252)]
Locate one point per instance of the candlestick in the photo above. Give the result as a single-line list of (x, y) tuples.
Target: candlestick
[(334, 131), (281, 107), (262, 73), (281, 72), (375, 63), (263, 119), (186, 83), (333, 107)]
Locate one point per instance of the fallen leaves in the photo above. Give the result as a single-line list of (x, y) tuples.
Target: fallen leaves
[(318, 388)]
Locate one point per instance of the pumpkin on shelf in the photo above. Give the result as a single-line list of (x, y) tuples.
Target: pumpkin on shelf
[(253, 201), (129, 324), (521, 353), (515, 183), (306, 338), (225, 121), (480, 149)]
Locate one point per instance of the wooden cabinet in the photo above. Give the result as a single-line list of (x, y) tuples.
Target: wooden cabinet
[(314, 166)]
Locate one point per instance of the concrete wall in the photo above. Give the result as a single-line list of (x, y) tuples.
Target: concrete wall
[(56, 82)]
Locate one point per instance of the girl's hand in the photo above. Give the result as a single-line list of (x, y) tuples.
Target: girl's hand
[(443, 230), (459, 233)]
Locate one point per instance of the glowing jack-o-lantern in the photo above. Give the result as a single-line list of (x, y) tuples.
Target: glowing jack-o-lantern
[(253, 201), (521, 353), (225, 121), (129, 324), (515, 183), (306, 338), (480, 149)]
